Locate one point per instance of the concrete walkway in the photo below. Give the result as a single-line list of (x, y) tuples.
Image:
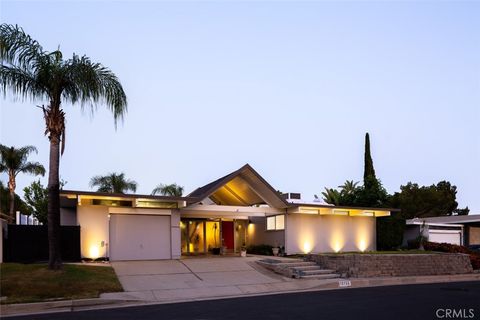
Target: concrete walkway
[(199, 278)]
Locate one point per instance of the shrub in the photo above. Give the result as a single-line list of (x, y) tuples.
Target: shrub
[(390, 232), (453, 248), (262, 249)]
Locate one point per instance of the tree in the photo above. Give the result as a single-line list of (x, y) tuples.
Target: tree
[(462, 212), (372, 193), (5, 202), (113, 183), (368, 171), (14, 161), (331, 196), (348, 192), (426, 201), (173, 190), (36, 196), (30, 72)]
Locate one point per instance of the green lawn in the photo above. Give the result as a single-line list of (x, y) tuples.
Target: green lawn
[(34, 282)]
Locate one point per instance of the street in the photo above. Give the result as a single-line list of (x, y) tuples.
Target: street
[(459, 300)]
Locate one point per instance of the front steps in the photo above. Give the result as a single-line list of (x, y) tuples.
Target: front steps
[(298, 269)]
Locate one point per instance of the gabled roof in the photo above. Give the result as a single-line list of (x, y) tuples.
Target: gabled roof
[(243, 187)]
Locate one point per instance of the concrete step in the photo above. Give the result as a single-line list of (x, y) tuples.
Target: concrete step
[(302, 268), (296, 264), (321, 276), (318, 271)]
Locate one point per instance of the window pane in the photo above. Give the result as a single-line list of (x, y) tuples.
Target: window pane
[(280, 222), (271, 223)]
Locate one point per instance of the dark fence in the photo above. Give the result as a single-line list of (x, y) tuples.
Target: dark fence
[(27, 243)]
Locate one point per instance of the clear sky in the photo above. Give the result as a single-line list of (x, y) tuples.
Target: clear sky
[(289, 87)]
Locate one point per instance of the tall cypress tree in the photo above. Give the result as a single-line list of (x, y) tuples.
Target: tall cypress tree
[(369, 171)]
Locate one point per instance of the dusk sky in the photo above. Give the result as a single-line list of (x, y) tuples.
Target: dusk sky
[(288, 87)]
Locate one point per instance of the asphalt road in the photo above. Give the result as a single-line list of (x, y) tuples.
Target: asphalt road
[(431, 301)]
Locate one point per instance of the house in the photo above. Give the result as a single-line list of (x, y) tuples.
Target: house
[(239, 209), (460, 230)]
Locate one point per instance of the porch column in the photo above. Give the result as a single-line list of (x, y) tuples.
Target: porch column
[(175, 238)]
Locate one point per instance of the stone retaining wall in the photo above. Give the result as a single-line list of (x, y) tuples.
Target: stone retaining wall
[(386, 265)]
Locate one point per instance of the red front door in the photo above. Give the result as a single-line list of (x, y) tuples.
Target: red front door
[(227, 234)]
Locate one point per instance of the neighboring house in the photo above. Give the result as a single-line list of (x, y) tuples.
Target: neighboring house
[(461, 230), (239, 209)]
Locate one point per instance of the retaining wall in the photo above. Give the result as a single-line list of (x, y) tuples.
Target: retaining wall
[(387, 265)]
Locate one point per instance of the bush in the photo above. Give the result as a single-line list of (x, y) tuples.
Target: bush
[(390, 232), (453, 248), (261, 249)]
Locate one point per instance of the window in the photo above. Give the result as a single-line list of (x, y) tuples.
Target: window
[(276, 222), (280, 222)]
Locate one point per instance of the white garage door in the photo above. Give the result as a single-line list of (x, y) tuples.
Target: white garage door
[(139, 237), (445, 236)]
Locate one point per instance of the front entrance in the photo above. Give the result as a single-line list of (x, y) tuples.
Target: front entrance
[(227, 235), (211, 236)]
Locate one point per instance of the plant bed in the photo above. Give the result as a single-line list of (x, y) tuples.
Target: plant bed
[(452, 248), (22, 283), (261, 249)]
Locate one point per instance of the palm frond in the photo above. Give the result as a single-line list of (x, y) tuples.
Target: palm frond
[(92, 83), (173, 190), (18, 48), (35, 168), (22, 83), (113, 183), (15, 161)]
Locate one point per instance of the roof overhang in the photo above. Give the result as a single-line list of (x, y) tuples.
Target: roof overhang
[(244, 187), (340, 211), (71, 198)]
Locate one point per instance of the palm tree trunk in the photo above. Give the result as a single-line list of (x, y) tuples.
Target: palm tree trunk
[(54, 262), (12, 206), (11, 188)]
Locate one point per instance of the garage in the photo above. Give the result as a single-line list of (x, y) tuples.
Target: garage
[(445, 236), (139, 237)]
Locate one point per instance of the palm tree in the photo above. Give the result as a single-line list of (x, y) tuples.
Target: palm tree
[(331, 196), (349, 187), (113, 183), (173, 190), (14, 161), (30, 72)]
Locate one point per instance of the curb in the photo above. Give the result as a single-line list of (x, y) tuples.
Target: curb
[(10, 310)]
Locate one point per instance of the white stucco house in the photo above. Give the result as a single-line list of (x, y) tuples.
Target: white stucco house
[(459, 230), (239, 209)]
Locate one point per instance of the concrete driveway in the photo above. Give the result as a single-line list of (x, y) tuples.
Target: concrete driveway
[(191, 278)]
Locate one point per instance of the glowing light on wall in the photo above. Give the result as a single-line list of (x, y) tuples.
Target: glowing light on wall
[(251, 229), (362, 245), (363, 234), (307, 247), (337, 239), (94, 252)]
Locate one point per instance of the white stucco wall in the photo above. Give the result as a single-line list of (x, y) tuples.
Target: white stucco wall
[(93, 221), (316, 233), (257, 233), (94, 228), (175, 234)]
